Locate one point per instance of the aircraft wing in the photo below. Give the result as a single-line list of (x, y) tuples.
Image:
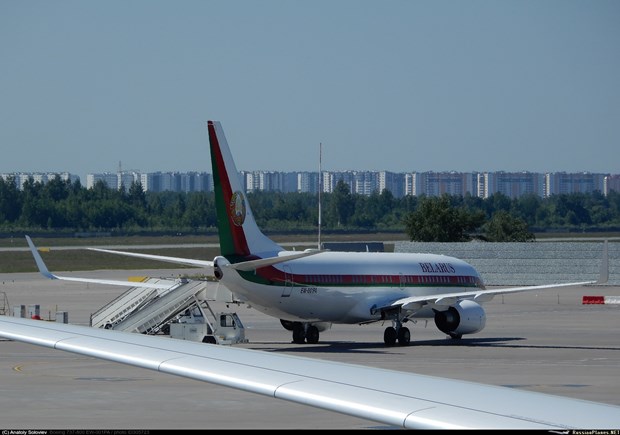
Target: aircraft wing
[(395, 398), (46, 273), (414, 303)]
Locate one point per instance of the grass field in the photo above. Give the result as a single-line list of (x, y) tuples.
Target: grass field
[(59, 259)]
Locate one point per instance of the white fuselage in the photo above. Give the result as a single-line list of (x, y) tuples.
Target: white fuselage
[(344, 287)]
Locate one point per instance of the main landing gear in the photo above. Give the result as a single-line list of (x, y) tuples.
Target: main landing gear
[(302, 332), (305, 333), (396, 332)]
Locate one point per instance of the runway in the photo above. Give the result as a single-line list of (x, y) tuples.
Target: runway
[(545, 341)]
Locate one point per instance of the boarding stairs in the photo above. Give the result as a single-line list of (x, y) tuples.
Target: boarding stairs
[(147, 310), (4, 304), (134, 298), (151, 317)]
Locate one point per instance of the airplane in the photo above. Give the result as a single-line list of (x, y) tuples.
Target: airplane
[(250, 260), (313, 289)]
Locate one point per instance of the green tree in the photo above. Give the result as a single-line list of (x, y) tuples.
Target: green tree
[(437, 220), (197, 211), (341, 204), (504, 227), (62, 205), (136, 195), (495, 202), (10, 200), (527, 207)]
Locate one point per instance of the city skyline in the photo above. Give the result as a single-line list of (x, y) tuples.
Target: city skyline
[(85, 176), (431, 183), (443, 85)]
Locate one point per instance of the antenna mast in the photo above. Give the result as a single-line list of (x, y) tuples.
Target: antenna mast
[(320, 182)]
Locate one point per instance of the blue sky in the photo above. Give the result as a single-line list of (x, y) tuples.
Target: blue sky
[(523, 85)]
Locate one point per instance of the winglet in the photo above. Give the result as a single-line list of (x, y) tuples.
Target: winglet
[(37, 258), (604, 275)]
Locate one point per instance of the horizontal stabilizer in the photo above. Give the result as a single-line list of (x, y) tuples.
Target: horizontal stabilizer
[(176, 260), (256, 264)]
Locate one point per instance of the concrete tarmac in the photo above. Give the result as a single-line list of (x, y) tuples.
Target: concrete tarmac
[(545, 341)]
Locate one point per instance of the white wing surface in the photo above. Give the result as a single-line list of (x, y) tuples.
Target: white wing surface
[(46, 273), (413, 303), (447, 299), (399, 399)]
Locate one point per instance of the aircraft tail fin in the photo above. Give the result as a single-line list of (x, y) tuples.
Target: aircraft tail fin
[(239, 234)]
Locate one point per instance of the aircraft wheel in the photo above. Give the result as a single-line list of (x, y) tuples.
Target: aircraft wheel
[(312, 335), (404, 336), (389, 336), (456, 336), (209, 339), (299, 335)]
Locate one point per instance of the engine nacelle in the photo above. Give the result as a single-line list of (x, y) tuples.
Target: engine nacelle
[(217, 267), (289, 325), (465, 317), (217, 272)]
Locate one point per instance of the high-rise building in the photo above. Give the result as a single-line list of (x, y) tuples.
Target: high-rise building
[(514, 184), (38, 177), (611, 182), (582, 182)]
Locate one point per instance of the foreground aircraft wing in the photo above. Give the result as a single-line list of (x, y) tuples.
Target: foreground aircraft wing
[(46, 273), (399, 399)]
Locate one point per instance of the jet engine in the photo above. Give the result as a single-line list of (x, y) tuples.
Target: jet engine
[(289, 325), (217, 269), (465, 317)]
